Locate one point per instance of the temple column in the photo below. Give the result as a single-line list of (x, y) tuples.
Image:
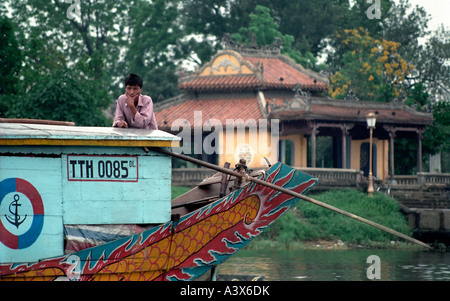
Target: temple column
[(345, 128), (391, 153), (344, 147), (313, 145), (419, 150)]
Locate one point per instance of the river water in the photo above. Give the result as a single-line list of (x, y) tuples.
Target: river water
[(340, 265)]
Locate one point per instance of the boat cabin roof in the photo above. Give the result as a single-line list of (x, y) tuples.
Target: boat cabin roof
[(62, 135)]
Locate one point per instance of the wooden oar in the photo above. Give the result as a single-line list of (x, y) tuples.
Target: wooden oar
[(293, 193)]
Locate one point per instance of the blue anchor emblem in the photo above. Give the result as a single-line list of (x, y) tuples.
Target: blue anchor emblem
[(15, 219)]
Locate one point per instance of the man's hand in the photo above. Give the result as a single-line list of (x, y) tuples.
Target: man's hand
[(132, 103), (122, 124)]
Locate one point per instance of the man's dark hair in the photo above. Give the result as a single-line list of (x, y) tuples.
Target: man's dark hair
[(134, 80)]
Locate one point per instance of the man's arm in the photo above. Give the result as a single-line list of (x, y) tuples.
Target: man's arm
[(119, 117)]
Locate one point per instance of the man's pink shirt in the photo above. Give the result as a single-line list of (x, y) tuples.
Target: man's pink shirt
[(144, 118)]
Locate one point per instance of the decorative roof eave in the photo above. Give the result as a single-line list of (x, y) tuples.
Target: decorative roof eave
[(241, 83), (344, 111), (220, 83), (223, 87), (311, 88)]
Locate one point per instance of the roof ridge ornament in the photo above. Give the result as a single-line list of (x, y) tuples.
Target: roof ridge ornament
[(299, 92), (351, 96), (300, 102), (252, 47), (301, 99), (400, 99)]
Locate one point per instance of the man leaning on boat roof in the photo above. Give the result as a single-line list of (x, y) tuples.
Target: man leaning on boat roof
[(134, 110)]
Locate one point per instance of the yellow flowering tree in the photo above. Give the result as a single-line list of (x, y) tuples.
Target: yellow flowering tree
[(371, 67)]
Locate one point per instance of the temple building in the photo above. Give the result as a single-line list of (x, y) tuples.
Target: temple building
[(260, 105)]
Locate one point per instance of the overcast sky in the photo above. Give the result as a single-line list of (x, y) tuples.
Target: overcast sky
[(438, 9)]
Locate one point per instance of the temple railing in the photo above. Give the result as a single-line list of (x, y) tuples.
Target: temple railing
[(423, 178), (335, 178), (329, 178), (190, 177)]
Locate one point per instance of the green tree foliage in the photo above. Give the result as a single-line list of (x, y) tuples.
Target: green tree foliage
[(372, 68), (101, 40), (154, 47), (433, 66), (406, 25), (263, 30), (262, 27), (210, 20), (311, 23), (77, 29), (437, 136), (61, 95), (58, 38), (10, 60), (10, 57)]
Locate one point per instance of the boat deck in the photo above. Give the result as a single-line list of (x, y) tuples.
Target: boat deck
[(43, 134)]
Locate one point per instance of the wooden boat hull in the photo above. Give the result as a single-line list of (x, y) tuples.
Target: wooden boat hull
[(181, 249)]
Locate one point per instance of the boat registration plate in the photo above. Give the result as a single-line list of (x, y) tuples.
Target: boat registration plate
[(102, 168)]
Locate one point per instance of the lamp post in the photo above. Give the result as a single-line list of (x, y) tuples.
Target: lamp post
[(371, 120)]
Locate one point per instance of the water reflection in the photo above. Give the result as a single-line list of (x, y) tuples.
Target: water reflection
[(339, 265)]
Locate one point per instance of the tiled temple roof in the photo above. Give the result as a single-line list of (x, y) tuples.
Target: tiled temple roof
[(230, 71)]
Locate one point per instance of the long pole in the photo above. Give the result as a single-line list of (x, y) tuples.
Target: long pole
[(370, 189), (292, 193)]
